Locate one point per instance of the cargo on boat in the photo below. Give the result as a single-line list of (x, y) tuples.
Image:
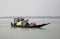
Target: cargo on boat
[(21, 22)]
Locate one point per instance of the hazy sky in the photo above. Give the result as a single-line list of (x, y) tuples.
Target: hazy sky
[(29, 7)]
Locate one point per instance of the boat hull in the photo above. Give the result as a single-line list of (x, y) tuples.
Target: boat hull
[(36, 26)]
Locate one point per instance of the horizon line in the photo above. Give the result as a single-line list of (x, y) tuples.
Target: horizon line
[(31, 16)]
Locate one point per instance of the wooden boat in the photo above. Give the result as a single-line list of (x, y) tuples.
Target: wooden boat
[(28, 26)]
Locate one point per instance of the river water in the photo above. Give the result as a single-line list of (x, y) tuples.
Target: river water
[(51, 31)]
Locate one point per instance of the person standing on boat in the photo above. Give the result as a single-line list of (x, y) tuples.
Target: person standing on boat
[(18, 19)]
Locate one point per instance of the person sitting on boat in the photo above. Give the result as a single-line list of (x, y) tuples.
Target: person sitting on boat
[(21, 21), (24, 21), (17, 19), (33, 24)]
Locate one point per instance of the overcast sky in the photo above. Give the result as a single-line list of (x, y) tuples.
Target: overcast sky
[(29, 7)]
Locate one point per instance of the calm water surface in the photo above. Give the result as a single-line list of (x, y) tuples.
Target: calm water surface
[(51, 31)]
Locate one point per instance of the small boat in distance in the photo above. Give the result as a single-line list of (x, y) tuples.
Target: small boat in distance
[(22, 23)]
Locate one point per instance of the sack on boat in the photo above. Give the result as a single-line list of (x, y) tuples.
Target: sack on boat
[(19, 23)]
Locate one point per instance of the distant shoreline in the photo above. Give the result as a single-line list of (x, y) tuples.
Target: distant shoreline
[(56, 17)]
